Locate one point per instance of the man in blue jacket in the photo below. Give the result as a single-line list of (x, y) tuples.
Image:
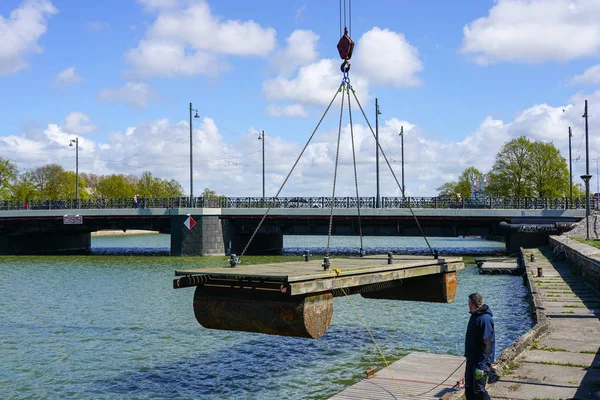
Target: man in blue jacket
[(479, 348)]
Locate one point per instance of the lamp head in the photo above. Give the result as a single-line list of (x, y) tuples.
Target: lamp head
[(196, 116), (71, 144)]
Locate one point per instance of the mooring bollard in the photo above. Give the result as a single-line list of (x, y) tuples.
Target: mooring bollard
[(390, 258), (540, 272), (436, 254), (532, 257), (233, 260), (306, 256), (326, 264)]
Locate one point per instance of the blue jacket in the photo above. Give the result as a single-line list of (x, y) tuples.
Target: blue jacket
[(480, 342)]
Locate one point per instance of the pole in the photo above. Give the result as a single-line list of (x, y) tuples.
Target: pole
[(77, 171), (377, 150), (587, 163), (570, 168), (191, 163), (263, 160), (402, 137)]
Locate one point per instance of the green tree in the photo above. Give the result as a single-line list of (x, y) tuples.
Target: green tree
[(49, 181), (115, 186), (510, 174), (8, 174), (549, 174), (463, 185), (24, 188)]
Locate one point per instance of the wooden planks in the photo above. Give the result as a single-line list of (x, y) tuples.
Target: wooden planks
[(416, 373), (495, 267), (301, 270), (303, 278)]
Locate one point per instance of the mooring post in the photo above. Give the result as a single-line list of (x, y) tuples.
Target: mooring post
[(436, 254), (306, 256), (326, 264), (532, 258), (540, 272), (233, 261), (390, 258)]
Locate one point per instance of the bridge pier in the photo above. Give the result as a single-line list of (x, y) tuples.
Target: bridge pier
[(44, 243), (205, 238)]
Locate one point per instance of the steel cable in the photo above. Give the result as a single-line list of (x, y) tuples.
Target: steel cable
[(392, 171), (355, 173), (290, 173)]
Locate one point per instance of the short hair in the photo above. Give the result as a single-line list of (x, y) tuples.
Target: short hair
[(476, 299)]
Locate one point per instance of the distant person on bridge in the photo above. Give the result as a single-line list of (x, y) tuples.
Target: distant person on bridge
[(136, 201), (479, 348)]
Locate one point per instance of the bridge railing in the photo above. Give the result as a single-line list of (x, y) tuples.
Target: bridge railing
[(525, 203)]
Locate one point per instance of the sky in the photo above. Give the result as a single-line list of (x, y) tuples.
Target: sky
[(461, 77)]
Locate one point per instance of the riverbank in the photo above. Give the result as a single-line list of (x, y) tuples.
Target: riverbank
[(559, 358), (120, 232)]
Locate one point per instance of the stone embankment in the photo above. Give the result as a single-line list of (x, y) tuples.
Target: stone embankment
[(560, 357)]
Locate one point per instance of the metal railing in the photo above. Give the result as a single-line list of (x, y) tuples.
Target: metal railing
[(497, 203)]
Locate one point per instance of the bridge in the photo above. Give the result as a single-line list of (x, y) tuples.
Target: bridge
[(222, 225)]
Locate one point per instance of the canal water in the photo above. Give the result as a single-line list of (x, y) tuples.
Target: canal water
[(110, 326)]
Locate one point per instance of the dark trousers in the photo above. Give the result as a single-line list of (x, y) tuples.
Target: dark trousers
[(475, 388)]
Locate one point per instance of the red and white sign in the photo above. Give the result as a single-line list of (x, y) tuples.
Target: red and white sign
[(189, 223)]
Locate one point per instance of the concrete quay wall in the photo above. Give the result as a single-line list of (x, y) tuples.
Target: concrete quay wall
[(585, 259)]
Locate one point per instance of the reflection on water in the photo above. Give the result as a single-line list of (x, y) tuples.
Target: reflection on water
[(113, 328), (159, 244)]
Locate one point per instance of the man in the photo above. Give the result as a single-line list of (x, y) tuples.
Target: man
[(479, 348)]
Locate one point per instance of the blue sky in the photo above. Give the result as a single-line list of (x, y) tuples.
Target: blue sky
[(462, 77)]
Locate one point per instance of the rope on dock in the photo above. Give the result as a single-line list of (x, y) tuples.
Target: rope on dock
[(337, 271)]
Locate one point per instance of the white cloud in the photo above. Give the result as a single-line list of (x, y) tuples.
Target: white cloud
[(534, 31), (590, 76), (193, 41), (300, 14), (234, 167), (135, 94), (300, 50), (68, 76), (292, 110), (314, 84), (78, 123), (151, 5), (381, 57), (386, 58), (98, 26), (20, 32)]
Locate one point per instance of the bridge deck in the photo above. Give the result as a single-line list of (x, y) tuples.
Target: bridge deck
[(305, 277), (416, 374)]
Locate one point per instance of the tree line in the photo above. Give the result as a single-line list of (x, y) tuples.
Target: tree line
[(52, 182), (522, 168)]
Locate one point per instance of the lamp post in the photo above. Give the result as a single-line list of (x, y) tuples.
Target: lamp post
[(261, 136), (76, 141), (377, 112), (402, 140), (586, 178), (191, 158)]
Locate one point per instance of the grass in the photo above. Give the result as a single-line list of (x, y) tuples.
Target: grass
[(568, 364), (593, 243), (568, 312), (536, 346), (510, 368), (588, 352), (572, 382), (574, 306)]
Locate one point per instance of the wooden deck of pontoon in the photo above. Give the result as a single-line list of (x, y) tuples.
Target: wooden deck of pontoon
[(296, 298)]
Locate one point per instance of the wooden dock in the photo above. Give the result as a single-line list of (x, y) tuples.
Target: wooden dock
[(508, 266), (296, 298), (415, 374)]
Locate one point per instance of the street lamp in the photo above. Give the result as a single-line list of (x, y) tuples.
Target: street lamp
[(377, 114), (402, 137), (586, 178), (76, 141), (261, 136), (191, 158)]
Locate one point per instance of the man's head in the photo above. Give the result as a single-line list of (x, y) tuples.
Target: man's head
[(475, 301)]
